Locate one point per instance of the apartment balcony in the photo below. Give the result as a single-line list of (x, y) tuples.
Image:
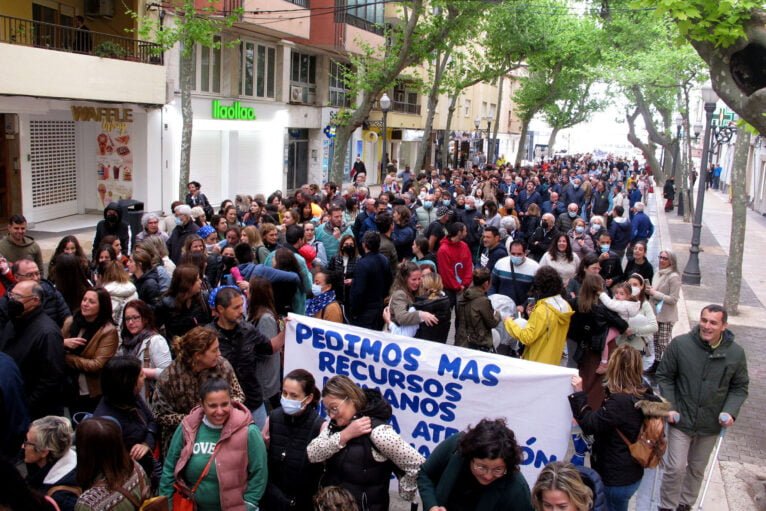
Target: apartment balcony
[(58, 61), (287, 19)]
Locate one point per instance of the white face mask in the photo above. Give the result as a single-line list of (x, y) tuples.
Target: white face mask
[(634, 290), (316, 289)]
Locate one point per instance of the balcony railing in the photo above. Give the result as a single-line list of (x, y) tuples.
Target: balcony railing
[(60, 38), (407, 108)]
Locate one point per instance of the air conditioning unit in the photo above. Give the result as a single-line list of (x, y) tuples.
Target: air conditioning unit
[(99, 8), (302, 95), (296, 94)]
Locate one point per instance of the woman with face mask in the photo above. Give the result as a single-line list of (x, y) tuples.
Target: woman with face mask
[(292, 478), (324, 305)]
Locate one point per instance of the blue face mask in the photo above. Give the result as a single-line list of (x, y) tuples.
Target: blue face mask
[(446, 202), (178, 221), (517, 260), (291, 406), (428, 204), (572, 214), (605, 248), (579, 229), (316, 289)]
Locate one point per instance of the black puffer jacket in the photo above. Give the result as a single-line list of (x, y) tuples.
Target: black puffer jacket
[(611, 456), (589, 329), (354, 467), (439, 307), (293, 480), (149, 288)]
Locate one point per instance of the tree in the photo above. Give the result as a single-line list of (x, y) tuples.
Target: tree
[(193, 26), (576, 106), (738, 221), (570, 55), (423, 30), (731, 39)]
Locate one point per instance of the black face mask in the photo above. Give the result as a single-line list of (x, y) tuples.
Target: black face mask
[(15, 309), (112, 219), (228, 261), (348, 250)]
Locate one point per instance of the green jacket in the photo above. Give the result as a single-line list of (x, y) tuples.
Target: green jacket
[(439, 476), (477, 319), (701, 382)]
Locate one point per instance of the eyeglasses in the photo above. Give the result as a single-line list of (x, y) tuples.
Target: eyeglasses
[(27, 443), (15, 296), (332, 412), (133, 318), (664, 257), (30, 275), (483, 470)]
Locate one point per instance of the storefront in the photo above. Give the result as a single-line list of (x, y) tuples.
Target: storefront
[(61, 158)]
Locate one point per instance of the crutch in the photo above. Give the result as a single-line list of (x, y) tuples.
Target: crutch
[(710, 472)]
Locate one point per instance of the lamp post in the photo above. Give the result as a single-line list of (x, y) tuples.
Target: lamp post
[(677, 169), (490, 141), (476, 123), (692, 273), (385, 106)]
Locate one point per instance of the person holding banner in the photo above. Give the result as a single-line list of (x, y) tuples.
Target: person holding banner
[(359, 449), (475, 470), (545, 334), (404, 292)]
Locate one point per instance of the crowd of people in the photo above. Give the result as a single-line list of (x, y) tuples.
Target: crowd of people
[(153, 366)]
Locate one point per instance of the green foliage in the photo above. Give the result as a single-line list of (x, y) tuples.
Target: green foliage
[(719, 22), (193, 26), (109, 49)]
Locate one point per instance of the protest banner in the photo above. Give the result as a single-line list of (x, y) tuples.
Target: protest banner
[(436, 390)]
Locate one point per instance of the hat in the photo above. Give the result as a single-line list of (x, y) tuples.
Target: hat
[(443, 210), (205, 231), (183, 209)]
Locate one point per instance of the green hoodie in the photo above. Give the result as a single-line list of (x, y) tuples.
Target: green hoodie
[(13, 251)]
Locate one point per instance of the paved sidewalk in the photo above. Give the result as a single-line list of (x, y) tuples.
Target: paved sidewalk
[(745, 443)]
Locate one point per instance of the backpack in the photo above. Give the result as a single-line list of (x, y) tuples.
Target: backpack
[(651, 444)]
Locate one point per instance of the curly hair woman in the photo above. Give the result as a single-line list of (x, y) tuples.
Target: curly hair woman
[(476, 469)]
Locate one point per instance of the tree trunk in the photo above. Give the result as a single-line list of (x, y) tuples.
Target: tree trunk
[(448, 128), (433, 100), (738, 222), (492, 146), (187, 116), (552, 140), (646, 148), (522, 143)]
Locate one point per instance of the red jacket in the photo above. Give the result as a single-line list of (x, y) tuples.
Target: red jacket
[(455, 264)]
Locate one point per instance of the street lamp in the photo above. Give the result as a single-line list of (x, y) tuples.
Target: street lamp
[(677, 170), (692, 273), (490, 141), (385, 106), (476, 123)]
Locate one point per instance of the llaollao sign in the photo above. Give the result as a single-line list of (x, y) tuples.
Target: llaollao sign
[(233, 112)]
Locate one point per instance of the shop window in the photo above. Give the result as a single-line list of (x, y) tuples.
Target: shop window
[(206, 75), (53, 161), (339, 95), (257, 70)]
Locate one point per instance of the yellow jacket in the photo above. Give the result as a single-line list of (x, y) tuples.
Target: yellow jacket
[(546, 332)]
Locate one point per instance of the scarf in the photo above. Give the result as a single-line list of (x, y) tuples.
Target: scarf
[(88, 329), (132, 345), (319, 302)]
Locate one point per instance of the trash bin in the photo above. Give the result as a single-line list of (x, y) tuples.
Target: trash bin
[(132, 210)]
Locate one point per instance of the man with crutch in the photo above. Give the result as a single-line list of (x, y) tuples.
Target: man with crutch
[(704, 376)]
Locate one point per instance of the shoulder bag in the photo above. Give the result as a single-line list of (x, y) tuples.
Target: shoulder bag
[(183, 497)]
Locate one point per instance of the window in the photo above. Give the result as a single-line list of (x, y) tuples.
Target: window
[(492, 110), (467, 107), (257, 71), (483, 109), (364, 14), (302, 3), (206, 75), (338, 93), (303, 69), (405, 100)]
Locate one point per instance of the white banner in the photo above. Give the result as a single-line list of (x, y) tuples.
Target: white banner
[(436, 390)]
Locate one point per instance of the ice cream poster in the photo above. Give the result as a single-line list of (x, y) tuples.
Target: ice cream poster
[(114, 163)]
